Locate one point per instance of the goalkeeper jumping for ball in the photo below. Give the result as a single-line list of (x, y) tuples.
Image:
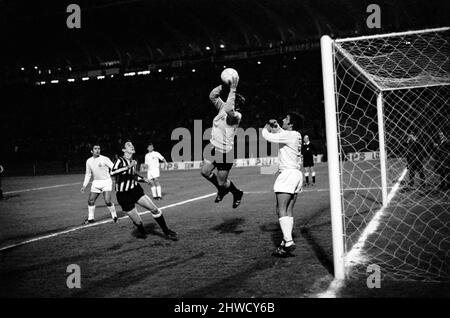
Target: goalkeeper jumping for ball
[(221, 143)]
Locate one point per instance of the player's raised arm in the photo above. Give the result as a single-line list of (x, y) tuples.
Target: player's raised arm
[(214, 96), (87, 177), (229, 105), (281, 136)]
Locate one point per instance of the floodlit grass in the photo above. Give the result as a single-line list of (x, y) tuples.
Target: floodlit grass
[(222, 252)]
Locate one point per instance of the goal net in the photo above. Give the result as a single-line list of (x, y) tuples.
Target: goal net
[(387, 102)]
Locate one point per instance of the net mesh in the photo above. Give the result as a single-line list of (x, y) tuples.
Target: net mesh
[(409, 235)]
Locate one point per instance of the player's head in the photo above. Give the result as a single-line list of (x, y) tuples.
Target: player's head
[(150, 147), (239, 102), (306, 138), (95, 150), (127, 147), (293, 121)]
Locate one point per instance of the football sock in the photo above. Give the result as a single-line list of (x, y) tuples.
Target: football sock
[(91, 210), (213, 179), (307, 177), (233, 188), (286, 224), (154, 194), (135, 217), (112, 209), (162, 222), (158, 191), (314, 177)]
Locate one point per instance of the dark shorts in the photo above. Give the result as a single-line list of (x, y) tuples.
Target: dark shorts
[(308, 162), (221, 161), (128, 199)]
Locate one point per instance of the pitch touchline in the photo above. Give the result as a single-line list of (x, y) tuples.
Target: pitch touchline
[(318, 190), (39, 238), (42, 188)]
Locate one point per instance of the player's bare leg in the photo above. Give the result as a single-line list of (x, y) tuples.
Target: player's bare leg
[(153, 188), (313, 175), (158, 188), (284, 208), (290, 207), (91, 207), (137, 221), (208, 174), (147, 203), (228, 186), (110, 205)]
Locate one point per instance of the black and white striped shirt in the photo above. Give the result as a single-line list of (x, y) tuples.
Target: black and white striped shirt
[(125, 180)]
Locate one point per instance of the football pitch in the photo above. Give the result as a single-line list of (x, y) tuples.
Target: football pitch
[(222, 252)]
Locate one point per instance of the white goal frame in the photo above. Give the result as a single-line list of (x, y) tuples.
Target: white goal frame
[(329, 86)]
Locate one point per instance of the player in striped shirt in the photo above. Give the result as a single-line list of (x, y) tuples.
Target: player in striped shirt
[(129, 192), (289, 181), (98, 166), (222, 138)]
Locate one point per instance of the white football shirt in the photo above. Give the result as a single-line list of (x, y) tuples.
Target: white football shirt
[(152, 160), (98, 167), (290, 147)]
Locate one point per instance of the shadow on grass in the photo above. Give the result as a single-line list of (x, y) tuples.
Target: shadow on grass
[(229, 226), (227, 286), (131, 276), (320, 253), (275, 232), (150, 229)]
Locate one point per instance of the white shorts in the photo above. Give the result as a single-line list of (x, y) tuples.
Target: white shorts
[(152, 174), (289, 181), (99, 186)]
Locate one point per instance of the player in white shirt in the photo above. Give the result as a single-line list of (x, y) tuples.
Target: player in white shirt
[(222, 138), (290, 179), (152, 159), (99, 167)]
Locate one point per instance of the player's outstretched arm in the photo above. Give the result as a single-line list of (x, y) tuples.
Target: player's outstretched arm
[(119, 168), (229, 105), (214, 96), (141, 179)]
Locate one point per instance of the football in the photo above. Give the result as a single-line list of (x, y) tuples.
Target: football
[(228, 74)]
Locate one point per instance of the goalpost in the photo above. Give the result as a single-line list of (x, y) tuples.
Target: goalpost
[(381, 93)]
